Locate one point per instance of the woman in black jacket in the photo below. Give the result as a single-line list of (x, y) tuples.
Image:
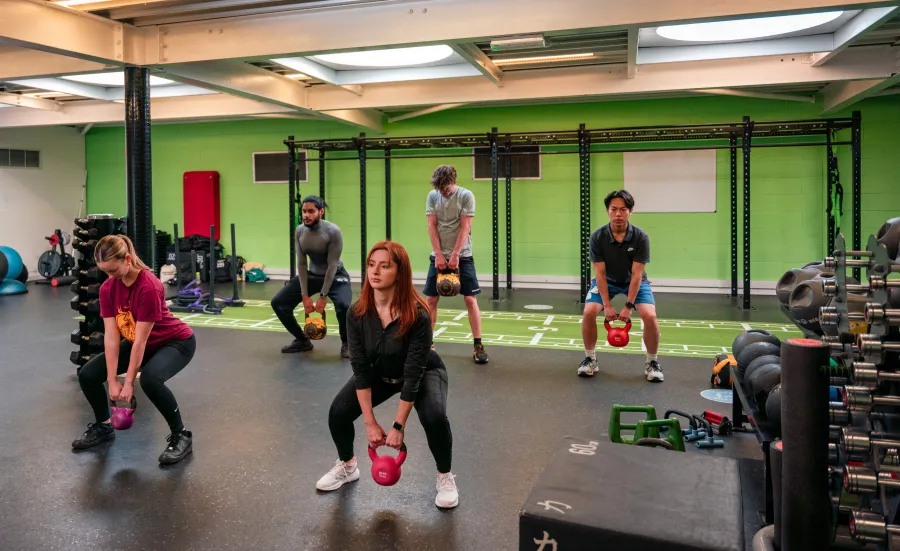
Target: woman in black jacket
[(389, 333)]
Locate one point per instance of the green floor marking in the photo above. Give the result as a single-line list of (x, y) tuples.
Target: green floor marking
[(690, 338)]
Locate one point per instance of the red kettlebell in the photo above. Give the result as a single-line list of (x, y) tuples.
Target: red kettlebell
[(386, 469), (123, 417), (617, 336)]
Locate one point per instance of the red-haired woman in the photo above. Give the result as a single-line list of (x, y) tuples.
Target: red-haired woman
[(389, 332)]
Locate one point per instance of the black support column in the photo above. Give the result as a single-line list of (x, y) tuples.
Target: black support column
[(508, 217), (322, 173), (856, 145), (734, 218), (830, 209), (495, 294), (292, 203), (363, 223), (138, 173), (387, 192), (584, 162), (748, 131)]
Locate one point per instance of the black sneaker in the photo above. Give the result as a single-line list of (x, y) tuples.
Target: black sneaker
[(178, 448), (480, 355), (298, 345), (95, 434), (345, 350)]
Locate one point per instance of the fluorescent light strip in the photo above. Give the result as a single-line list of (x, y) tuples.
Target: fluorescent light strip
[(541, 58)]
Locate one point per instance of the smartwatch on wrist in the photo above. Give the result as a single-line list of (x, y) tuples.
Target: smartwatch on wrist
[(629, 305), (398, 426)]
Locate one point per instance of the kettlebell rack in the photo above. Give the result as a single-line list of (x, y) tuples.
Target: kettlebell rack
[(89, 335), (737, 137)]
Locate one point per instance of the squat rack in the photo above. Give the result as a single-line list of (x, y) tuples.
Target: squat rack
[(733, 136)]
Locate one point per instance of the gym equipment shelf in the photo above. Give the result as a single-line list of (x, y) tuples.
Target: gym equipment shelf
[(765, 434)]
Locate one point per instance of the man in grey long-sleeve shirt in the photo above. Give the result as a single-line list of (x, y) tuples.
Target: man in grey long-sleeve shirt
[(323, 272)]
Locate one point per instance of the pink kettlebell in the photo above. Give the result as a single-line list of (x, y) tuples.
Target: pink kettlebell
[(617, 336), (386, 469), (122, 417)]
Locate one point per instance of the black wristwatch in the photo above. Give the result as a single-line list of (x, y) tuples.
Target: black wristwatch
[(398, 426), (629, 305)]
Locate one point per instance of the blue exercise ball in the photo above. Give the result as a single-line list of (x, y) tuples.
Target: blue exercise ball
[(10, 268)]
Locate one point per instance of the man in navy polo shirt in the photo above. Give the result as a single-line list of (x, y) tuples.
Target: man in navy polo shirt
[(619, 252)]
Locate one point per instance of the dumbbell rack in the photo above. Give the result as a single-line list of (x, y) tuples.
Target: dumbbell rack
[(865, 426), (89, 335)]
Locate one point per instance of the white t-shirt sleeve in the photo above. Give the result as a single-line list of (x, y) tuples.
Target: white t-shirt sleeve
[(430, 203), (467, 204)]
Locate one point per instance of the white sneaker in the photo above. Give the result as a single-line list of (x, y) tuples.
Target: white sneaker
[(588, 367), (447, 494), (654, 372), (339, 475)]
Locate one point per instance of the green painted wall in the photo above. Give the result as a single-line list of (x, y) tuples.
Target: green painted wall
[(787, 199)]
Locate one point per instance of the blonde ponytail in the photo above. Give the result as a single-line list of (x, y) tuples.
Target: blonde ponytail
[(115, 247)]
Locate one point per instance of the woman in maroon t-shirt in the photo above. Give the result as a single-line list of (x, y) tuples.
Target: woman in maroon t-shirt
[(141, 334)]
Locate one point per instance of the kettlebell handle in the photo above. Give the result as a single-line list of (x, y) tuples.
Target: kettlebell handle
[(401, 457), (608, 327), (132, 404)]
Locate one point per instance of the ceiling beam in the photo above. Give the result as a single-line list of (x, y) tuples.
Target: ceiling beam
[(418, 22), (758, 95), (32, 103), (633, 34), (841, 95), (190, 108), (864, 22), (44, 26), (242, 80), (318, 71), (67, 87), (609, 81), (368, 119), (426, 111), (480, 61), (20, 63)]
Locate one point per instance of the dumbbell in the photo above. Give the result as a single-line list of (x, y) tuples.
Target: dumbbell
[(91, 291), (87, 234), (830, 317), (94, 340), (879, 283), (863, 443), (91, 307), (76, 358), (834, 458), (873, 349), (830, 287), (869, 527), (866, 374), (860, 397), (881, 313), (85, 247), (90, 273), (831, 263), (859, 480)]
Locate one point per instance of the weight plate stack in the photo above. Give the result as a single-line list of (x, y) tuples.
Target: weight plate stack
[(89, 335)]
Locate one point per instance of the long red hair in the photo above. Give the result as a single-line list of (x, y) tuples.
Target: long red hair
[(406, 300)]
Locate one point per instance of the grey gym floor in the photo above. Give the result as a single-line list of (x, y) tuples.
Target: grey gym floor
[(261, 439)]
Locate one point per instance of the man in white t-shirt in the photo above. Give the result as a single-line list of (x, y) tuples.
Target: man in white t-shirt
[(450, 209)]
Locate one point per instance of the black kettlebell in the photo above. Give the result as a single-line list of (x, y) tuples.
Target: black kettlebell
[(448, 284)]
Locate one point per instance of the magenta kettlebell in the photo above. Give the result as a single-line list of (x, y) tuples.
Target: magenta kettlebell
[(122, 417), (617, 336), (386, 469)]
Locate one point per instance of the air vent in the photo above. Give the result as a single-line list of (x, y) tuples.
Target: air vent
[(271, 167), (19, 158)]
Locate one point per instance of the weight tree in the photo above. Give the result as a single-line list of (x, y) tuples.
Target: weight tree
[(733, 136)]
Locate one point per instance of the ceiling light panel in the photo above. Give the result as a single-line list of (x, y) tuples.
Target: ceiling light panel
[(747, 29), (387, 59), (113, 79)]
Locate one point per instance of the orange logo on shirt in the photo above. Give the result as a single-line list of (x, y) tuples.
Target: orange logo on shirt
[(125, 322)]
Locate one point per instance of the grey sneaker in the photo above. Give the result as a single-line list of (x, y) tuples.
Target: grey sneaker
[(588, 367), (654, 372)]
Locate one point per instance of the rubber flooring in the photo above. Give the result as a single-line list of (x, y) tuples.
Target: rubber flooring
[(261, 441)]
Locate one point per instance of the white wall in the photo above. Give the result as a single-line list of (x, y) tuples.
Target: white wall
[(35, 202)]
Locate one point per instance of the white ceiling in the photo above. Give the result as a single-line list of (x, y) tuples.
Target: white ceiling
[(252, 58)]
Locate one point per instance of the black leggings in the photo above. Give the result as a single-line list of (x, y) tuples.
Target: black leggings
[(290, 296), (430, 404), (156, 369)]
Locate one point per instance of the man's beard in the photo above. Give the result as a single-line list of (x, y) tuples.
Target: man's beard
[(312, 224)]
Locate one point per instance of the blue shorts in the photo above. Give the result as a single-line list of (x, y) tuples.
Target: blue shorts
[(644, 296), (468, 279)]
